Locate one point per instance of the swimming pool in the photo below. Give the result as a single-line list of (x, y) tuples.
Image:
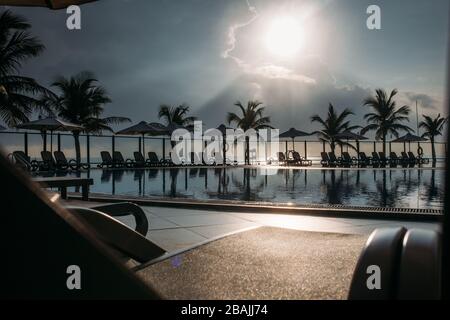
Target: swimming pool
[(401, 188)]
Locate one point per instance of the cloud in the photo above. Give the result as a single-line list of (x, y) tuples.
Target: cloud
[(288, 103), (268, 71), (425, 100), (278, 72), (232, 31)]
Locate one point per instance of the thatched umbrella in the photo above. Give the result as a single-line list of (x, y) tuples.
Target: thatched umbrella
[(50, 124), (409, 138), (143, 128), (51, 4), (350, 136), (293, 133)]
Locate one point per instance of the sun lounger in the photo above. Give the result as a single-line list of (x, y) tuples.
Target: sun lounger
[(139, 160), (347, 160), (49, 163), (154, 161), (408, 160), (107, 160), (411, 162), (120, 162), (364, 160), (334, 161), (61, 162), (325, 161), (417, 160), (24, 162), (394, 160), (70, 244), (376, 161), (129, 243), (299, 160), (281, 159), (383, 159)]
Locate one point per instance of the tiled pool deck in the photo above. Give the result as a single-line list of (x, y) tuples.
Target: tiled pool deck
[(175, 229)]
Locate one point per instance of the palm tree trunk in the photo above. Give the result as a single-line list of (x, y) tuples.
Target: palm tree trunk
[(76, 137), (433, 150), (332, 145), (384, 144), (247, 150)]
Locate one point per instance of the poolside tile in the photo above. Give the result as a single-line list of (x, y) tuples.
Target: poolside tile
[(173, 212), (219, 230), (160, 223), (175, 239), (204, 220)]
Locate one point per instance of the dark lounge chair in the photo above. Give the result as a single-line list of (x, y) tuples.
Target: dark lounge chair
[(139, 160), (417, 160), (394, 160), (49, 163), (120, 162), (24, 162), (117, 235), (325, 161), (376, 161), (334, 161), (153, 160), (71, 239), (281, 159), (61, 162), (299, 160), (364, 160), (407, 160), (347, 160), (383, 159), (107, 160)]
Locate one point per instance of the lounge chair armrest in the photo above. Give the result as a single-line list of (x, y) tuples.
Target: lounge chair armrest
[(118, 235), (127, 208)]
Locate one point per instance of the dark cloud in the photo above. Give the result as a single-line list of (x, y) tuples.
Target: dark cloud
[(146, 53), (426, 101)]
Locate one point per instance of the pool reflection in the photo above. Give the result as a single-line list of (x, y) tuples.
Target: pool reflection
[(385, 188)]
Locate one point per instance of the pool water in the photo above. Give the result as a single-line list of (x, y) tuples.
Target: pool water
[(410, 188)]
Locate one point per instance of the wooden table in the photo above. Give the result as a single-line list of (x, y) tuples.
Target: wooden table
[(63, 182)]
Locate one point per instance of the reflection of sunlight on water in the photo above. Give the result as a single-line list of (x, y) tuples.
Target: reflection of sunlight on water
[(376, 188)]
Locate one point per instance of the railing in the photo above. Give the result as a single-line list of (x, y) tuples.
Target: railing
[(91, 145)]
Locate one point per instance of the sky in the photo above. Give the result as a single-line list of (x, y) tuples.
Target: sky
[(211, 53)]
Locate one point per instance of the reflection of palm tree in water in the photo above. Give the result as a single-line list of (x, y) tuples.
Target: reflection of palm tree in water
[(173, 182), (223, 181), (393, 196), (384, 197), (246, 191), (339, 187), (295, 176), (138, 175), (432, 192)]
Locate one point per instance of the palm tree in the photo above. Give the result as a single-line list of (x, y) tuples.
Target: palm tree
[(81, 101), (17, 93), (334, 124), (176, 115), (252, 118), (385, 118), (433, 128)]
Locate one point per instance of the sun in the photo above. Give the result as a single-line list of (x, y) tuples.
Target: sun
[(284, 37)]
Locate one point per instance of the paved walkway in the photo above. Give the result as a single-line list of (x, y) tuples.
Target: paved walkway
[(175, 229)]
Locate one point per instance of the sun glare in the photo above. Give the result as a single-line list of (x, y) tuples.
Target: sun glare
[(285, 37)]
